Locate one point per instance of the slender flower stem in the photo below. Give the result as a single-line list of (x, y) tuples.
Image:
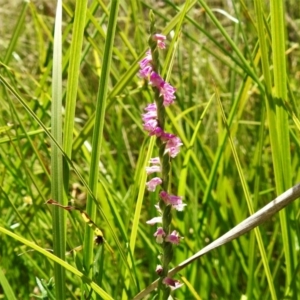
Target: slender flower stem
[(167, 247), (168, 147)]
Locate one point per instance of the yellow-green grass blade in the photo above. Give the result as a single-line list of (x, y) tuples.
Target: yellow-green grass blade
[(5, 140), (7, 289), (27, 138)]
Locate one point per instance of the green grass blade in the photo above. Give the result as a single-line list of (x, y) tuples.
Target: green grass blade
[(73, 73), (98, 131), (184, 170), (282, 165), (7, 289), (282, 161), (17, 32), (252, 261), (59, 216), (72, 85)]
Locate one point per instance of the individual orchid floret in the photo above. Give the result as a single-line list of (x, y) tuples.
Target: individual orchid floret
[(153, 169), (154, 221), (172, 283), (160, 40), (151, 107), (159, 269), (153, 183), (173, 238), (150, 119), (173, 143), (156, 80), (165, 137), (175, 201), (146, 72), (147, 60), (167, 91), (150, 126), (145, 65), (156, 131), (151, 114), (155, 161), (159, 234), (165, 196), (170, 199), (173, 146)]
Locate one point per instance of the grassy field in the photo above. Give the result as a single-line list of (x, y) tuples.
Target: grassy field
[(71, 130)]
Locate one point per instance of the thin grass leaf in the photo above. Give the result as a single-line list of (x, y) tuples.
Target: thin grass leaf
[(59, 216), (98, 133), (282, 165), (16, 34), (7, 289), (184, 170), (73, 74)]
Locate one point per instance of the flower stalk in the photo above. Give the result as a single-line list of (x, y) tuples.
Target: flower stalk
[(168, 146)]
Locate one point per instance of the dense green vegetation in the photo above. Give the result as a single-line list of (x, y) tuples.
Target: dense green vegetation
[(71, 130)]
